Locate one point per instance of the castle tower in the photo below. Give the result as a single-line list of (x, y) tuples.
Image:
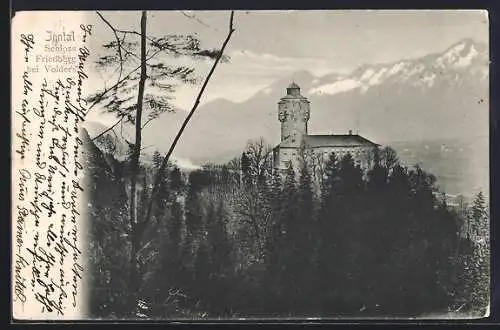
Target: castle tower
[(293, 113)]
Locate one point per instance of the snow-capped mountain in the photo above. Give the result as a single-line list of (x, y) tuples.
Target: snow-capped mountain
[(438, 96), (463, 56)]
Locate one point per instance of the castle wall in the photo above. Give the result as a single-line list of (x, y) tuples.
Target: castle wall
[(362, 155), (286, 155), (293, 113)]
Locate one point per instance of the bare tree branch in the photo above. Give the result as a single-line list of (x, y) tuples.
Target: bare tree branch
[(118, 45), (152, 40), (198, 20), (147, 122), (106, 91), (160, 48), (109, 128), (133, 32), (146, 147), (186, 121)]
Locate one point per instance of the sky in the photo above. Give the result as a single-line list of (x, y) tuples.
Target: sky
[(269, 45)]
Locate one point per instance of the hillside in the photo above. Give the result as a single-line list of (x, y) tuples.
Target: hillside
[(438, 96), (419, 101)]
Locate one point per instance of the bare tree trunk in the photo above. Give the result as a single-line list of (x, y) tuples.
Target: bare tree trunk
[(164, 163), (138, 221), (135, 225)]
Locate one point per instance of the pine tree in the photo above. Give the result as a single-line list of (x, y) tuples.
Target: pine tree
[(151, 75), (276, 202), (193, 238), (219, 248), (375, 235), (271, 284), (276, 195), (304, 235), (201, 290), (176, 180), (350, 221), (157, 159), (194, 214), (479, 218), (331, 178), (329, 237), (289, 200), (284, 277), (480, 263), (174, 227)]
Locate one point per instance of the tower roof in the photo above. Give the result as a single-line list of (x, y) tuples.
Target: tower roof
[(337, 140), (293, 90), (334, 140)]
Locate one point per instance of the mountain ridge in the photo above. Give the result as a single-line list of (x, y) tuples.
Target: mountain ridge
[(466, 42), (454, 105)]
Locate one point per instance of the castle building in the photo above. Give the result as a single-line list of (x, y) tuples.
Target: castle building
[(293, 113)]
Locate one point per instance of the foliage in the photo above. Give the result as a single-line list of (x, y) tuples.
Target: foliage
[(163, 77), (368, 244)]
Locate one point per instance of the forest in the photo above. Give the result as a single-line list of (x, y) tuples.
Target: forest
[(243, 240)]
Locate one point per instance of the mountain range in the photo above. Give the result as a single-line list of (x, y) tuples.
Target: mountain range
[(434, 97)]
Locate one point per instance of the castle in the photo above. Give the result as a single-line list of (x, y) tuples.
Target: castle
[(293, 113)]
